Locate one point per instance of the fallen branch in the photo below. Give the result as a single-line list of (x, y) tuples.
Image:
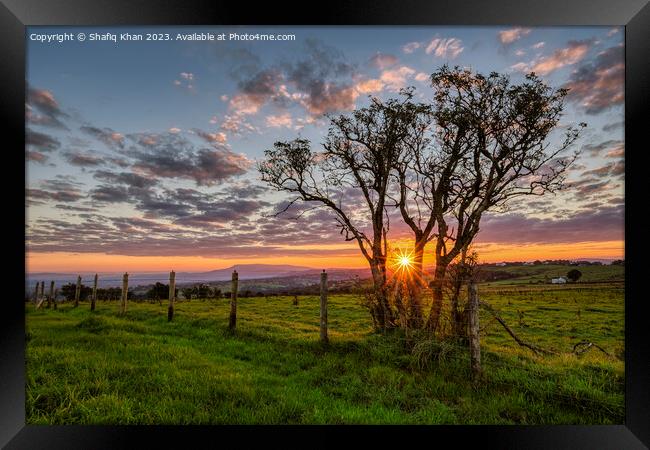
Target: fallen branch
[(517, 339), (588, 345)]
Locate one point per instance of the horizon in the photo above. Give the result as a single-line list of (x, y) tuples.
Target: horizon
[(310, 268), (149, 163)]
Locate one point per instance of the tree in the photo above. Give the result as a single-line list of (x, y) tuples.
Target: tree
[(491, 145), (359, 153), (69, 290), (159, 291), (574, 275)]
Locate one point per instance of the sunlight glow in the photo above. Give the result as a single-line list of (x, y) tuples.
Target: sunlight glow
[(405, 261)]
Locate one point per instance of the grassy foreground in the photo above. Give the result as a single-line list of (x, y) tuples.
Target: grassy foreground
[(98, 368)]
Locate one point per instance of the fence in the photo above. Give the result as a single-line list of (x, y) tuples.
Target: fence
[(40, 298)]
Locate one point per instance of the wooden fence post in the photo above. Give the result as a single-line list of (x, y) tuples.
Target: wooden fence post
[(50, 298), (125, 292), (77, 292), (474, 338), (233, 301), (323, 308), (36, 293), (40, 294), (172, 295), (56, 292), (93, 299)]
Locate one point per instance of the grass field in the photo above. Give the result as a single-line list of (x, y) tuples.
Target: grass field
[(98, 368)]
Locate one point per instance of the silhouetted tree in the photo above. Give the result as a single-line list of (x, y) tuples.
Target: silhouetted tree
[(68, 291), (159, 291), (491, 145), (359, 153), (574, 275)]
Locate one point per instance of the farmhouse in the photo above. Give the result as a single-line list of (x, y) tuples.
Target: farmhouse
[(559, 280)]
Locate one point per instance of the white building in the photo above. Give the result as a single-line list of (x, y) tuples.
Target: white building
[(560, 280), (501, 264)]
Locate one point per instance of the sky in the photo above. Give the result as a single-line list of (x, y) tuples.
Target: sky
[(141, 155)]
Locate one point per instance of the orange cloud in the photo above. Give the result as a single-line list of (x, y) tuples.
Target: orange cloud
[(512, 35), (369, 86), (573, 53), (396, 78), (280, 120)]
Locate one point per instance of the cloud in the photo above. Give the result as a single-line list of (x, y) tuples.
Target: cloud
[(612, 145), (538, 45), (320, 80), (62, 196), (613, 126), (617, 152), (411, 47), (382, 61), (236, 124), (369, 86), (514, 34), (587, 187), (445, 48), (126, 178), (598, 85), (43, 109), (608, 170), (83, 160), (604, 224), (173, 156), (40, 142), (257, 90), (211, 138), (185, 81), (280, 120), (111, 138), (422, 77), (397, 78), (573, 53), (35, 156), (109, 194), (60, 189)]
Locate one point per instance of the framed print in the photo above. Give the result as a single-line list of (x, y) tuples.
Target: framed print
[(410, 214)]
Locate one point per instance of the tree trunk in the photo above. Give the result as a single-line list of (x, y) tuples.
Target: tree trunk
[(417, 284), (436, 295), (458, 322), (384, 313)]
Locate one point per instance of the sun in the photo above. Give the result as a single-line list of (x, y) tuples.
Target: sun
[(402, 262), (405, 261)]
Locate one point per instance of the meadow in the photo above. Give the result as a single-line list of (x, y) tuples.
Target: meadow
[(88, 367)]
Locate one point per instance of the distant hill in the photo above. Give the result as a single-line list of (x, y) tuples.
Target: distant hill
[(245, 272)]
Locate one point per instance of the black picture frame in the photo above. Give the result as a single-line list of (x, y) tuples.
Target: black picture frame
[(15, 15)]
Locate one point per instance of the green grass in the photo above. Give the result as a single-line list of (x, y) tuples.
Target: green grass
[(544, 272), (98, 368)]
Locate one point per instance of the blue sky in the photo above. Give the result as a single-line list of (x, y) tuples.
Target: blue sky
[(111, 122)]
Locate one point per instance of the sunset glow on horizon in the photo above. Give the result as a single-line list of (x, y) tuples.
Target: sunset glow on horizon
[(63, 262)]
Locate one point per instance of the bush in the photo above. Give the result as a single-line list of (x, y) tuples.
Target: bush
[(574, 275)]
